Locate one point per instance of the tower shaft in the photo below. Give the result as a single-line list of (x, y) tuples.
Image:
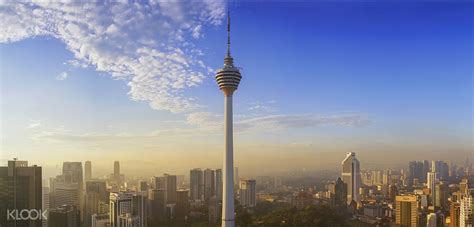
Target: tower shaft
[(228, 79), (228, 219)]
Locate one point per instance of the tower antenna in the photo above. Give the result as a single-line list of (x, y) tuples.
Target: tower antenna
[(228, 33)]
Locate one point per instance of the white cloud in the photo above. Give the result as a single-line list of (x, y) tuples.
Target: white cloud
[(213, 123), (208, 124), (76, 64), (284, 122), (33, 124), (62, 76), (262, 106), (148, 45)]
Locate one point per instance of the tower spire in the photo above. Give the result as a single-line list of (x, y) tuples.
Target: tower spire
[(228, 33), (228, 60)]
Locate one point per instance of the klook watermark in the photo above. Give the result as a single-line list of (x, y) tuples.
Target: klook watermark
[(27, 214)]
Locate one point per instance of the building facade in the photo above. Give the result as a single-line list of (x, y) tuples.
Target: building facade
[(351, 176)]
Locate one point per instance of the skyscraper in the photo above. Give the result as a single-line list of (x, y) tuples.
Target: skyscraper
[(96, 192), (159, 182), (117, 171), (170, 188), (157, 204), (72, 172), (88, 171), (209, 183), (128, 209), (72, 178), (416, 171), (247, 193), (219, 184), (338, 190), (351, 176), (20, 188), (66, 193), (142, 186), (196, 184), (406, 211), (228, 79), (64, 215), (182, 204), (236, 177), (454, 213), (431, 184), (466, 214)]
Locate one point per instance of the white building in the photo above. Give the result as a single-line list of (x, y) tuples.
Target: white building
[(431, 184), (128, 209), (351, 176), (466, 214), (248, 193)]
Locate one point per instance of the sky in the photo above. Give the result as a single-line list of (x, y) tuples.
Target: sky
[(392, 81)]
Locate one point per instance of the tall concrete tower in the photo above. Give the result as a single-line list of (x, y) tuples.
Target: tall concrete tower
[(228, 79), (351, 176)]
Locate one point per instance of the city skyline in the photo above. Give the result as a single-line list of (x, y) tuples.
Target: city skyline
[(172, 199), (337, 80)]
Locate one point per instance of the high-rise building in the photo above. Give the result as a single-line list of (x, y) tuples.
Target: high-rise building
[(214, 209), (88, 171), (170, 188), (441, 195), (440, 168), (96, 192), (386, 177), (466, 212), (228, 79), (128, 209), (20, 188), (236, 177), (248, 193), (71, 177), (157, 204), (338, 192), (45, 203), (142, 186), (66, 193), (426, 169), (407, 211), (72, 172), (159, 183), (117, 172), (416, 171), (209, 183), (431, 184), (351, 176), (101, 220), (464, 186), (196, 184), (182, 204), (454, 214), (219, 184), (376, 177), (63, 216)]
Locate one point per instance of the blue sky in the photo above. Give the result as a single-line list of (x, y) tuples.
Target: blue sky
[(317, 77)]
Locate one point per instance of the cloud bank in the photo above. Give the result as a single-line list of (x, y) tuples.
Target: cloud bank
[(209, 124), (149, 45)]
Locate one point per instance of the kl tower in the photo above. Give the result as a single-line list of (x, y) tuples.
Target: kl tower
[(228, 79)]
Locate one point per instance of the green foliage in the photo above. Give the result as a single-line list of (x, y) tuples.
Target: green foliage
[(272, 214)]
